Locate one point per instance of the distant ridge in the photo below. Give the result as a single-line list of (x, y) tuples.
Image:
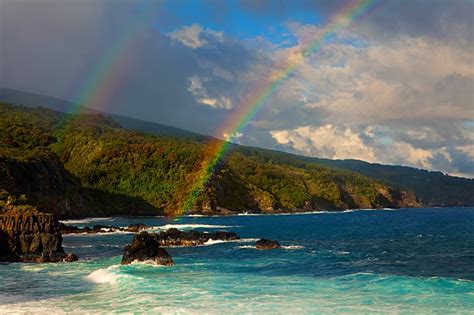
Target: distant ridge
[(35, 100), (29, 99), (432, 187)]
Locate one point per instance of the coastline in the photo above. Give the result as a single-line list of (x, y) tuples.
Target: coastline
[(105, 218)]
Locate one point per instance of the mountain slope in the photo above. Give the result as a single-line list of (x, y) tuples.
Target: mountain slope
[(156, 129), (128, 172), (33, 100), (432, 188)]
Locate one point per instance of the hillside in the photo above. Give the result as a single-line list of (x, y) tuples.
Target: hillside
[(431, 188), (120, 171)]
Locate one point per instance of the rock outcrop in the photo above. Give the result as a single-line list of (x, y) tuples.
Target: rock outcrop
[(27, 235), (145, 247), (133, 228), (175, 237), (263, 243)]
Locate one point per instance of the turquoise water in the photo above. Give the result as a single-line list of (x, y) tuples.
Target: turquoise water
[(404, 261)]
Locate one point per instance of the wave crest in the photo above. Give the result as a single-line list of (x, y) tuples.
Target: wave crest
[(103, 275)]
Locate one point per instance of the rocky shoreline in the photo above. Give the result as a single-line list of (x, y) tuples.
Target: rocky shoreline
[(28, 235), (97, 229)]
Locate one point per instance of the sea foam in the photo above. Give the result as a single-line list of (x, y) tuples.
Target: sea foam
[(192, 226), (103, 275), (86, 220)]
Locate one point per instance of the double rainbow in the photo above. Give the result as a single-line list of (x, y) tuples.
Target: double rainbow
[(97, 91)]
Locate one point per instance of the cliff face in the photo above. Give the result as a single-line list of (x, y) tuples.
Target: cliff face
[(48, 186), (271, 188), (27, 235)]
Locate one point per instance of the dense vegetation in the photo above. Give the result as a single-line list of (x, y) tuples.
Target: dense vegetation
[(432, 188), (93, 166)]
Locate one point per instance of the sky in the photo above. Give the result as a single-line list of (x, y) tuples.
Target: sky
[(394, 87)]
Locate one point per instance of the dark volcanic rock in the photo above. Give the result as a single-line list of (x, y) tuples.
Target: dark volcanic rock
[(136, 227), (175, 237), (69, 229), (71, 257), (267, 244), (146, 247), (27, 235)]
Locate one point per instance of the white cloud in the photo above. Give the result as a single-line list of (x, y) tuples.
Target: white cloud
[(199, 91), (408, 101), (233, 137), (333, 142), (409, 78), (405, 153), (326, 141), (195, 36)]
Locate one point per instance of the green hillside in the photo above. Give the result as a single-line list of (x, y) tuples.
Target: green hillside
[(106, 169), (431, 188)]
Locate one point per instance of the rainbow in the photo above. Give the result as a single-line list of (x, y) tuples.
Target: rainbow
[(354, 11), (98, 88)]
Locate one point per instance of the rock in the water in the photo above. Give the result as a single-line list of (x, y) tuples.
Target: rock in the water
[(27, 235), (146, 247), (136, 227), (71, 258), (69, 229), (267, 244), (175, 237)]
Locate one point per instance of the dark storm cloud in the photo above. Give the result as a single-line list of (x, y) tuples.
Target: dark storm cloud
[(55, 48)]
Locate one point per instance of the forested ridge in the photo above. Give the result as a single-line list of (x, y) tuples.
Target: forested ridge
[(88, 164)]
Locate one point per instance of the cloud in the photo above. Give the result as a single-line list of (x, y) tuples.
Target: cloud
[(72, 50), (415, 94), (394, 88), (338, 142), (234, 137), (199, 91), (389, 19), (194, 36), (326, 141)]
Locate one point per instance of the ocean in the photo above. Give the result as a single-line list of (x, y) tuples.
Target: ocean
[(374, 261)]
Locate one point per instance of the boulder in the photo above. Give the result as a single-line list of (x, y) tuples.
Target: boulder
[(71, 258), (267, 244), (146, 247)]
